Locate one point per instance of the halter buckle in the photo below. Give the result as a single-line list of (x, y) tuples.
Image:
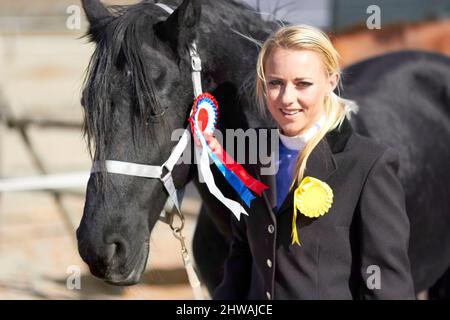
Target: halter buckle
[(165, 174)]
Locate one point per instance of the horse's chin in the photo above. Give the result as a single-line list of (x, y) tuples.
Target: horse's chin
[(134, 276)]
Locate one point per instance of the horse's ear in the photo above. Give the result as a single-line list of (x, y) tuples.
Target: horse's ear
[(95, 11), (180, 27)]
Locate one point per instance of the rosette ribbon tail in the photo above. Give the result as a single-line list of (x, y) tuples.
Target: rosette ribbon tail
[(205, 171), (255, 185), (294, 233), (231, 178)]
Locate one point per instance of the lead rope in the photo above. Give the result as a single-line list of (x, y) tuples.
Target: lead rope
[(194, 281)]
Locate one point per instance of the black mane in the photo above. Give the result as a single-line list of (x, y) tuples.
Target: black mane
[(118, 45)]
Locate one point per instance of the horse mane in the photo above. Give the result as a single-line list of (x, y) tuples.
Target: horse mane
[(118, 43)]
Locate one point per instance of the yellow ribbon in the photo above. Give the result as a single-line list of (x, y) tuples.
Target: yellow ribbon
[(313, 198)]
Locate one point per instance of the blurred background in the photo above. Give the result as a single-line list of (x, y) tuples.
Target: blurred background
[(42, 61)]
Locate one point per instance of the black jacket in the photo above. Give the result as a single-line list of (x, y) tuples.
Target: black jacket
[(364, 234)]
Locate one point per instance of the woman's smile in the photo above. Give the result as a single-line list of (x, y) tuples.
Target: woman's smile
[(291, 114)]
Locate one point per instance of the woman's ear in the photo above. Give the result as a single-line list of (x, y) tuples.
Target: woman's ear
[(333, 81)]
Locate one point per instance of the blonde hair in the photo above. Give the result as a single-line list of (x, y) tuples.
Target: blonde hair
[(296, 38)]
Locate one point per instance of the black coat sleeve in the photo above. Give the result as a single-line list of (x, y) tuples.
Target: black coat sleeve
[(238, 266), (384, 233)]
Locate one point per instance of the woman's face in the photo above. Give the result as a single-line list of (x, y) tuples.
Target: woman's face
[(296, 86)]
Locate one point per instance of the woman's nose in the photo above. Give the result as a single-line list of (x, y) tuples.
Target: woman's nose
[(288, 95)]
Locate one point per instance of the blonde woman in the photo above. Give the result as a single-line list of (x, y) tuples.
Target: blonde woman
[(333, 223)]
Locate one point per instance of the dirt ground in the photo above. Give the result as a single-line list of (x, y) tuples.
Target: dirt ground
[(41, 76)]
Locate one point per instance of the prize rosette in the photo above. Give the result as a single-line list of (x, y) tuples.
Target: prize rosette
[(203, 120), (313, 198), (205, 113)]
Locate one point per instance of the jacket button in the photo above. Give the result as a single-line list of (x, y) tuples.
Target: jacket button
[(268, 295), (271, 228), (269, 263)]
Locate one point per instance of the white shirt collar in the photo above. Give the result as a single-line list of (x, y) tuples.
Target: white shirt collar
[(298, 142)]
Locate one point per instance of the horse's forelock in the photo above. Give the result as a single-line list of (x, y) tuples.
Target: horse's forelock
[(117, 38)]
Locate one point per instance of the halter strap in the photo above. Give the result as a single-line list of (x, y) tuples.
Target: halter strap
[(165, 7), (152, 172)]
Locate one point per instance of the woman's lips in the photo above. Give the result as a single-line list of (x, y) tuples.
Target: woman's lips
[(291, 113)]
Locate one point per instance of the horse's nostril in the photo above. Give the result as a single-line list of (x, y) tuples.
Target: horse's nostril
[(110, 252), (115, 248)]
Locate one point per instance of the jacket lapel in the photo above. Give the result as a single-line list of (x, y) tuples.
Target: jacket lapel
[(270, 194)]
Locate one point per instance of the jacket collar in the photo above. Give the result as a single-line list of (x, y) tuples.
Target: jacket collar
[(321, 165)]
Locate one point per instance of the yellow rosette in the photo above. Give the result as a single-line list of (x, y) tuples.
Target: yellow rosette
[(313, 198)]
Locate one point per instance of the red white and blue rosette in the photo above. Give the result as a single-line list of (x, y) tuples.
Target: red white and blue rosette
[(205, 113), (203, 120)]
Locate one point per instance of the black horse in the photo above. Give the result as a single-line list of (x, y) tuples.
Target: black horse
[(138, 90)]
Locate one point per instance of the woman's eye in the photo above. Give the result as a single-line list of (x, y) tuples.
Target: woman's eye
[(304, 84), (274, 83)]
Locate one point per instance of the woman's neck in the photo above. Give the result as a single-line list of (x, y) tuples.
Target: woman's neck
[(299, 141)]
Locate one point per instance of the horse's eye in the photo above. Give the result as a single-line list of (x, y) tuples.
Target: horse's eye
[(160, 76)]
